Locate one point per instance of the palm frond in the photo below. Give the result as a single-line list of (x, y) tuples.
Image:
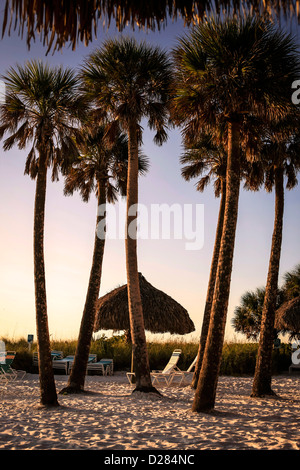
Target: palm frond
[(61, 22)]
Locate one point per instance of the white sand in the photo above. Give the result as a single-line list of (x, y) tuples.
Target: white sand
[(111, 418)]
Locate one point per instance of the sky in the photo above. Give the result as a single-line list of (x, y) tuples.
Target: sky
[(70, 226)]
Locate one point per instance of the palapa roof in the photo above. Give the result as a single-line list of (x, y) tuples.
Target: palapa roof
[(162, 314), (288, 316), (61, 21)]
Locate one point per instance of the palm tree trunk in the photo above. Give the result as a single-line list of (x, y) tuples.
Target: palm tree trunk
[(205, 395), (211, 287), (263, 369), (137, 328), (78, 372), (46, 375)]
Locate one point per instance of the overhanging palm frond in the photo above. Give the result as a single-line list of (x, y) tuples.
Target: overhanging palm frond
[(77, 21)]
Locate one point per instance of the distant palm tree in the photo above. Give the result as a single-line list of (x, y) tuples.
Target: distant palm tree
[(227, 70), (207, 156), (281, 156), (42, 107), (101, 169), (247, 315), (291, 284), (129, 82)]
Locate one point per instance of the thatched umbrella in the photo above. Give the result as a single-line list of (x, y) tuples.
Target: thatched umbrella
[(288, 316), (162, 314), (61, 21)]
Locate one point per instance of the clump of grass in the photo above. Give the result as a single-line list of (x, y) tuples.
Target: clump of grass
[(238, 358)]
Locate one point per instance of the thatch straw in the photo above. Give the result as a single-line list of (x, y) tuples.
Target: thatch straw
[(162, 314), (62, 21), (288, 316)]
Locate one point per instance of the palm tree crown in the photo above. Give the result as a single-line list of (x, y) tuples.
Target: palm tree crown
[(43, 107), (130, 81), (220, 78), (292, 283), (204, 155), (99, 162)]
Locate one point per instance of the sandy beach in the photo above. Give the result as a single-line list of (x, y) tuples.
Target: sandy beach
[(109, 417)]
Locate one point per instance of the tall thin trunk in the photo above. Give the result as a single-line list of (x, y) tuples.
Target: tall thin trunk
[(211, 286), (78, 372), (263, 369), (46, 374), (137, 328), (205, 395)]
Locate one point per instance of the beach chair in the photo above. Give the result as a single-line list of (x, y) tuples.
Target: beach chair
[(170, 369), (91, 359), (54, 355), (35, 359), (106, 366), (3, 377), (6, 368), (165, 374), (185, 376), (63, 364)]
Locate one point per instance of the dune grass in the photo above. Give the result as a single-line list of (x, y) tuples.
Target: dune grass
[(238, 358)]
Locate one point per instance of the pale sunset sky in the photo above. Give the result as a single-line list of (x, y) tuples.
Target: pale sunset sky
[(70, 225)]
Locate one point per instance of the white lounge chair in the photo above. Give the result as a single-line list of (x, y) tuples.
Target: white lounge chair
[(165, 374), (91, 360), (106, 366), (185, 376), (169, 371), (63, 364), (55, 355)]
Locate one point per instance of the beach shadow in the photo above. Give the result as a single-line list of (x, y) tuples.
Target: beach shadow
[(275, 398), (217, 414), (224, 414)]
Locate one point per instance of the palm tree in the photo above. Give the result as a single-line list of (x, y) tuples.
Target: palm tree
[(227, 70), (43, 107), (98, 167), (129, 82), (206, 155), (281, 154), (291, 284), (247, 315)]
